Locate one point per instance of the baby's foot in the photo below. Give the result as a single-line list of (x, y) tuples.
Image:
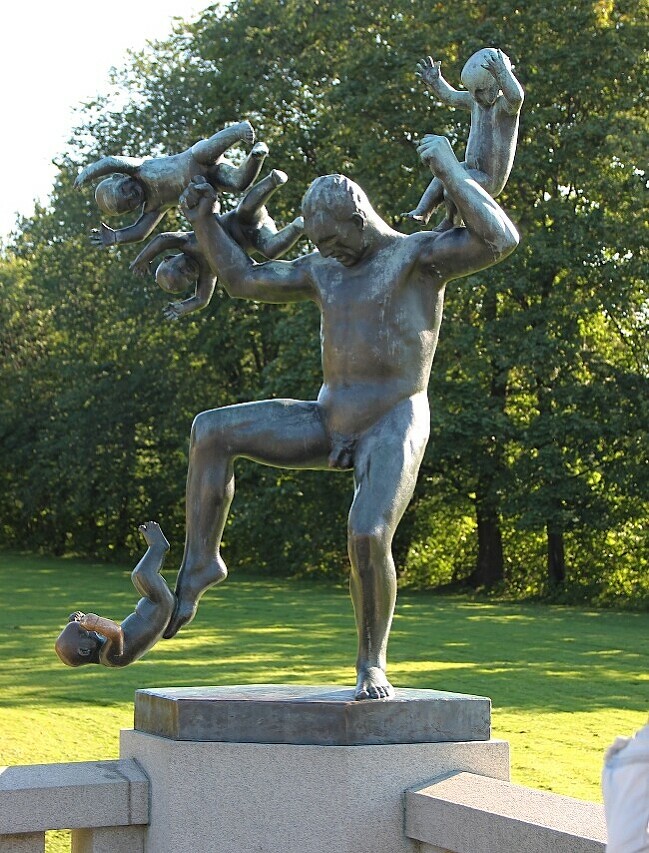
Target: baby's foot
[(278, 177), (415, 217), (153, 535), (247, 132), (373, 684), (259, 150)]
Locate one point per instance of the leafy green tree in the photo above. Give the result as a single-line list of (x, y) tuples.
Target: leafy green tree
[(536, 471)]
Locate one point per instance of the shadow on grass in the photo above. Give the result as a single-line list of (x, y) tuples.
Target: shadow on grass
[(530, 657)]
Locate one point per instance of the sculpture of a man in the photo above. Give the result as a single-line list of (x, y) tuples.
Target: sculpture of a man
[(380, 294)]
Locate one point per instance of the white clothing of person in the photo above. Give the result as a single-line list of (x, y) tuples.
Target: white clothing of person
[(625, 783)]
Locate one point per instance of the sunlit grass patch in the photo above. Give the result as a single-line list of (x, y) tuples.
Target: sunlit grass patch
[(563, 681)]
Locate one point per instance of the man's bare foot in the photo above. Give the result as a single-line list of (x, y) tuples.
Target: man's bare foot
[(373, 684), (154, 536), (187, 597)]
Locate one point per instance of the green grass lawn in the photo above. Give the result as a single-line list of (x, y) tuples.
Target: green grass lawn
[(563, 681)]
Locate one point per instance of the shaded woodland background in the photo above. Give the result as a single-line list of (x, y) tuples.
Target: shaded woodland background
[(536, 479)]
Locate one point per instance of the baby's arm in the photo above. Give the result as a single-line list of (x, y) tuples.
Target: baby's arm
[(106, 236), (107, 166), (107, 628), (160, 243), (428, 70), (512, 90), (204, 290)]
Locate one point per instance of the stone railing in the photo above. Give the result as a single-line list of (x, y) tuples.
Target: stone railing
[(104, 803), (467, 813)]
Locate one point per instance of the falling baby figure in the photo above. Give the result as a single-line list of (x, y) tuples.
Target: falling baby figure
[(88, 638), (249, 224), (494, 97), (153, 184)]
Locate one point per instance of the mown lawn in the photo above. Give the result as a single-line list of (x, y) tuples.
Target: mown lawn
[(563, 681)]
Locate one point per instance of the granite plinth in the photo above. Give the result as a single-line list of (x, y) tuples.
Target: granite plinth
[(320, 716)]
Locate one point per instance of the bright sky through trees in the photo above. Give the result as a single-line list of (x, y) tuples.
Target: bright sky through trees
[(54, 57)]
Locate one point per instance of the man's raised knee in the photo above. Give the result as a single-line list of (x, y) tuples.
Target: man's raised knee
[(207, 431)]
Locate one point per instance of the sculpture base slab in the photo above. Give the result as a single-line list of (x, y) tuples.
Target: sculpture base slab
[(298, 714), (219, 797)]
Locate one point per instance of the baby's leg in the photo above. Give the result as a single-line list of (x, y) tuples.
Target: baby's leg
[(146, 576), (239, 178), (257, 196), (453, 217), (431, 199), (274, 244), (208, 151)]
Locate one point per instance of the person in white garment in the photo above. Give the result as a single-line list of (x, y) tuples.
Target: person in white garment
[(625, 783)]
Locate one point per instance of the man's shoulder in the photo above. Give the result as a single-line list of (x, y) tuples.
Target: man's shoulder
[(420, 241)]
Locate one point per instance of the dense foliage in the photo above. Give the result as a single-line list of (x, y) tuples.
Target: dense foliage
[(536, 477)]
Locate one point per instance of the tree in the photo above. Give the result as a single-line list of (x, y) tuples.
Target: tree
[(539, 427)]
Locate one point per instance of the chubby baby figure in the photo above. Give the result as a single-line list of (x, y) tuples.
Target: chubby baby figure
[(88, 638)]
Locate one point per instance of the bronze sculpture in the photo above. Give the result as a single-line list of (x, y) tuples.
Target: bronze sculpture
[(494, 98), (153, 184), (88, 638), (380, 295), (249, 224)]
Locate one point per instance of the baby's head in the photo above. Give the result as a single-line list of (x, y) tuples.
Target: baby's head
[(75, 646), (177, 273), (480, 82), (119, 194)]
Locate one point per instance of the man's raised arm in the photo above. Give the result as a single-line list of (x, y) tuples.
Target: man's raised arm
[(489, 235), (273, 281)]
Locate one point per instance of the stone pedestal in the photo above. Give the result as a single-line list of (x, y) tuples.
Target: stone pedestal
[(298, 769)]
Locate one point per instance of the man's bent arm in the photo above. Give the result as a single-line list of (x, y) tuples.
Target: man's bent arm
[(274, 281), (489, 235)]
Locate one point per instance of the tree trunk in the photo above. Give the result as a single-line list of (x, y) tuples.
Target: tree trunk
[(490, 568), (556, 557)]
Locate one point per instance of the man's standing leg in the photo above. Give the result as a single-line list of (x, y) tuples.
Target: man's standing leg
[(387, 460), (285, 433)]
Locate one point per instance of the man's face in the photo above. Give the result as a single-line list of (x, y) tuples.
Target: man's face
[(341, 239)]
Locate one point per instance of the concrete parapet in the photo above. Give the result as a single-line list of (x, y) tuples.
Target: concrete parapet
[(109, 839), (468, 813), (27, 842), (213, 796), (38, 797)]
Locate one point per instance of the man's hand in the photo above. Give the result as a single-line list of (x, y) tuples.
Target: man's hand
[(199, 200), (428, 70), (434, 151), (103, 237)]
